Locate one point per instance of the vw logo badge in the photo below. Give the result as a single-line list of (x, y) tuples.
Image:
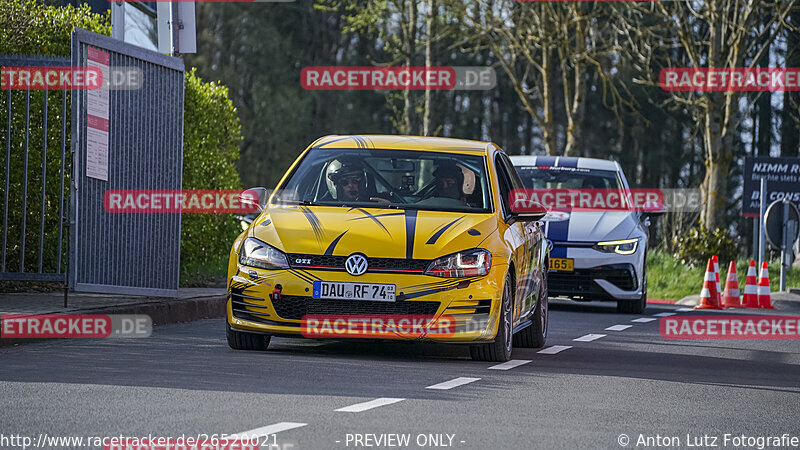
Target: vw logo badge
[(356, 264)]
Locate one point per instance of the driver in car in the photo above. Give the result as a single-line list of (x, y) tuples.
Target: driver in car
[(351, 183)]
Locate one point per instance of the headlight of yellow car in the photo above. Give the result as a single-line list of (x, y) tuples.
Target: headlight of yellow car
[(622, 247), (469, 263), (262, 255)]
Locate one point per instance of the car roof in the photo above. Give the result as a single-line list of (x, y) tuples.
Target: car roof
[(566, 161), (397, 142)]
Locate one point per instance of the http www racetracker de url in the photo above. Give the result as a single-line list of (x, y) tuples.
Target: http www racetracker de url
[(199, 441)]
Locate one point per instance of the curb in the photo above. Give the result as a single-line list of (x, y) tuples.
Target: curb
[(162, 313)]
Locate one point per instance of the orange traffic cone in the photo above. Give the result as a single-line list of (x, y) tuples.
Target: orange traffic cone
[(731, 298), (715, 260), (763, 288), (708, 295), (750, 287)]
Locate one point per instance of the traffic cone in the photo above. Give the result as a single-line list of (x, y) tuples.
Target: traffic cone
[(731, 298), (750, 287), (708, 295), (763, 288), (715, 260)]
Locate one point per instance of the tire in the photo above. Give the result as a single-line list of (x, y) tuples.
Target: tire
[(535, 335), (635, 306), (245, 341), (500, 349)]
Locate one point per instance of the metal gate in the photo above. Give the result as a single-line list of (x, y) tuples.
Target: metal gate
[(35, 168), (127, 253)]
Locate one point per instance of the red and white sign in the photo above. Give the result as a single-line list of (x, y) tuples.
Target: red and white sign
[(97, 126)]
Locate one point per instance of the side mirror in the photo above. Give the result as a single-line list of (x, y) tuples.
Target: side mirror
[(529, 212), (255, 197)]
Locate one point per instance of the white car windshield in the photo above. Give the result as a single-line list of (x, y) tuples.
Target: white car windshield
[(389, 179)]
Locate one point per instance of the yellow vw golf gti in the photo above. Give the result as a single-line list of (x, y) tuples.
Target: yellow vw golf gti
[(392, 237)]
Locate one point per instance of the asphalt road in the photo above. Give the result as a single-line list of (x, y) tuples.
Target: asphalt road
[(184, 380)]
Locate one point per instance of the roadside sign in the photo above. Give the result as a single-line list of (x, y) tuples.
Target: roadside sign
[(783, 181), (775, 221)]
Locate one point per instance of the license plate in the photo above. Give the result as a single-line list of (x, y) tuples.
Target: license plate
[(562, 264), (354, 291)]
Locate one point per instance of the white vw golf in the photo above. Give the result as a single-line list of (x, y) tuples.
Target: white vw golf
[(595, 254)]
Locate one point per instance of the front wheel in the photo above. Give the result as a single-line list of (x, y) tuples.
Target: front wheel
[(500, 349), (535, 335), (238, 340)]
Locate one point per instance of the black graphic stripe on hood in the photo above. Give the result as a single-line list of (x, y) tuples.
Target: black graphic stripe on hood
[(441, 231), (332, 246), (411, 226), (316, 225), (374, 218)]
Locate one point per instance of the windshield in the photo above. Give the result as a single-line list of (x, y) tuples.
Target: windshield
[(568, 178), (389, 179)]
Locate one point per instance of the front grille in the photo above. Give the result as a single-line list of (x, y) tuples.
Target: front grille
[(330, 262), (290, 307), (581, 281)]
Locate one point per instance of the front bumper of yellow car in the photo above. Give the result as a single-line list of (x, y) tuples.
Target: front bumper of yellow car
[(275, 301)]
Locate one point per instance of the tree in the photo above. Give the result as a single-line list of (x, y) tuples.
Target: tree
[(713, 34), (790, 115), (547, 47)]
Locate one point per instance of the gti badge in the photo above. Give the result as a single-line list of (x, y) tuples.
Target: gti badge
[(356, 264)]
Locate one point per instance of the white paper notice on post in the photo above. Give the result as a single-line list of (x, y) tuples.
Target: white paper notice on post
[(97, 119)]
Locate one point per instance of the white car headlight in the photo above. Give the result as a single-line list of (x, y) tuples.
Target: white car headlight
[(621, 247), (469, 263), (259, 254)]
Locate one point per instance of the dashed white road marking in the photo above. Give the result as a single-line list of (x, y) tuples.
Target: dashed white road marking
[(510, 364), (664, 314), (269, 429), (364, 406), (455, 382), (618, 327), (643, 320), (589, 337), (554, 349), (684, 309)]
